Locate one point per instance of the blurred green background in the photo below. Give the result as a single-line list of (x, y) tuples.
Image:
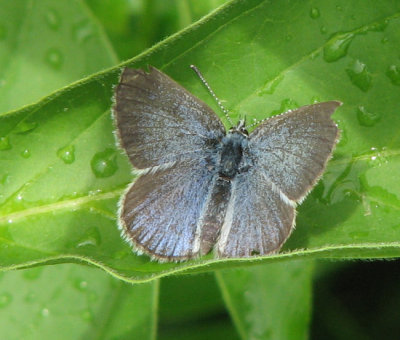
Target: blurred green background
[(344, 300)]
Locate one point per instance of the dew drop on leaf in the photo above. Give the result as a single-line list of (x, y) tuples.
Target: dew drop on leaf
[(80, 284), (5, 143), (287, 104), (271, 86), (26, 153), (337, 47), (82, 31), (45, 312), (323, 30), (67, 154), (5, 299), (53, 19), (54, 58), (359, 75), (25, 127), (393, 73), (366, 118), (314, 13), (379, 26), (104, 163), (91, 237)]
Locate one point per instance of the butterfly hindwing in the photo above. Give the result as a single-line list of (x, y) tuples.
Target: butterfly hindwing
[(258, 220), (160, 211)]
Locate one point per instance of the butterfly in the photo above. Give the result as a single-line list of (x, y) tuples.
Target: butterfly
[(201, 187)]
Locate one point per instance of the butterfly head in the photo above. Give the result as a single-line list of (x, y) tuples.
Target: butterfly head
[(240, 128)]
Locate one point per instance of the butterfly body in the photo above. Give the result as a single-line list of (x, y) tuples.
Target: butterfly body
[(231, 154), (202, 188)]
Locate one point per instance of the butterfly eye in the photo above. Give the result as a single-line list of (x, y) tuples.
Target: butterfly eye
[(244, 131)]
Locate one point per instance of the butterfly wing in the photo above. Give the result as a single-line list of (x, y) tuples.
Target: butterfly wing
[(288, 155), (258, 220), (161, 210), (292, 149), (172, 135), (159, 122)]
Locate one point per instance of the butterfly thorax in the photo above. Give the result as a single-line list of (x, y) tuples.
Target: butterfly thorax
[(232, 153)]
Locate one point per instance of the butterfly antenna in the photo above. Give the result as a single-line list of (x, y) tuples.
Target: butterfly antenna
[(256, 122), (225, 111)]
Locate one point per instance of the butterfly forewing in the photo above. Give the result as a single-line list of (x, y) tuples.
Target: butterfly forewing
[(292, 149), (159, 122)]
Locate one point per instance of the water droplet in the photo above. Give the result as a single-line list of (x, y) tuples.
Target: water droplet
[(54, 58), (314, 13), (5, 143), (91, 237), (359, 75), (80, 285), (377, 158), (323, 30), (286, 105), (315, 99), (53, 19), (26, 153), (3, 32), (393, 73), (339, 8), (271, 86), (104, 164), (378, 26), (25, 126), (67, 154), (289, 37), (45, 312), (314, 55), (384, 40), (82, 31), (366, 118), (337, 47), (5, 299)]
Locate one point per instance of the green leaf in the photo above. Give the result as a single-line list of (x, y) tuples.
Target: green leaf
[(45, 45), (191, 307), (136, 25), (77, 302), (270, 301), (261, 58)]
